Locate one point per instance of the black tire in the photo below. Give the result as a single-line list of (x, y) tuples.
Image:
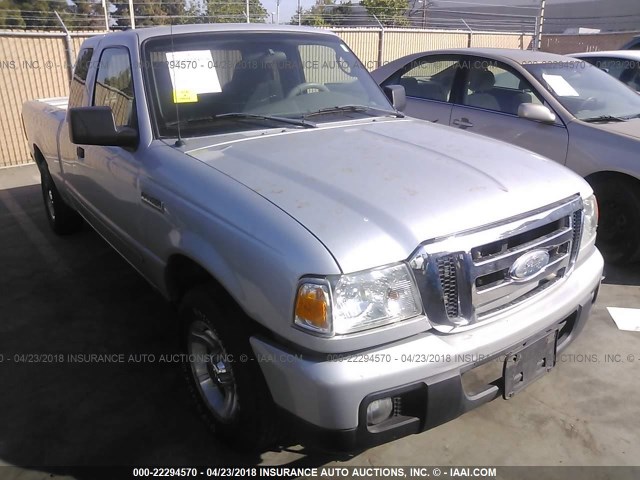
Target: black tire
[(619, 226), (63, 219), (248, 421)]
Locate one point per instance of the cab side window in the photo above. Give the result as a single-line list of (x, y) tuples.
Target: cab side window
[(114, 86), (78, 87)]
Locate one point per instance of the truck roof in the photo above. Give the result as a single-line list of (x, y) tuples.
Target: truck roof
[(144, 33)]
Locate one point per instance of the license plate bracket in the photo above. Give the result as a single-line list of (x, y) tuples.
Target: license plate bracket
[(527, 364)]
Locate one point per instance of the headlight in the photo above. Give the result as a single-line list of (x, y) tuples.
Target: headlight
[(590, 207), (358, 301)]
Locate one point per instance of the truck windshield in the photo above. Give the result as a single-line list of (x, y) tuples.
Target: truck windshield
[(225, 82), (586, 91)]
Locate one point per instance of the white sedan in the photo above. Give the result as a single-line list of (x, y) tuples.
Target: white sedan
[(621, 64)]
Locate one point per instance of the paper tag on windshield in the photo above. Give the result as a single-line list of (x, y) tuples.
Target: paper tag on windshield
[(184, 96), (192, 72), (560, 85)]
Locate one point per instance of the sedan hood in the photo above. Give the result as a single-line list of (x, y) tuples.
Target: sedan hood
[(630, 128), (373, 191)]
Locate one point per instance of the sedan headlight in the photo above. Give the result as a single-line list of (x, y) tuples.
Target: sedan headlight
[(358, 301), (590, 226)]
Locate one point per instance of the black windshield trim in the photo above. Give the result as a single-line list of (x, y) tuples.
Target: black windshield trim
[(354, 109)]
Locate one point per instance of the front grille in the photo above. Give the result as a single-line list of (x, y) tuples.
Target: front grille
[(577, 230), (516, 241), (447, 273), (474, 280)]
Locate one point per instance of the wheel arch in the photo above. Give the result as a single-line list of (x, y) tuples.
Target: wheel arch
[(182, 273), (39, 159), (609, 175), (616, 247)]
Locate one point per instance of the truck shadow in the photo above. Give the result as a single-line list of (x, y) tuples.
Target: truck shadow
[(622, 274), (86, 356)]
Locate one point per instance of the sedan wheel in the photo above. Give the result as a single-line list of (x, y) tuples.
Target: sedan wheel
[(619, 227)]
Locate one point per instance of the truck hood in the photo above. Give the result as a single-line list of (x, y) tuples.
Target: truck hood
[(372, 192)]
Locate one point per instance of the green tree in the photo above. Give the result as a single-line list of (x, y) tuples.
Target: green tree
[(195, 13), (392, 13), (84, 15), (224, 11), (35, 14), (39, 14), (151, 12), (10, 15)]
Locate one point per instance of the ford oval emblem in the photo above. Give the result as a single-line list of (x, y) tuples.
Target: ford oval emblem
[(529, 265)]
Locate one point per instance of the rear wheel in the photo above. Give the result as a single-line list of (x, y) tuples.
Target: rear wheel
[(63, 219), (619, 227), (223, 376)]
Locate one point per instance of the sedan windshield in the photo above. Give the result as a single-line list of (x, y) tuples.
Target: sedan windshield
[(586, 91), (225, 82)]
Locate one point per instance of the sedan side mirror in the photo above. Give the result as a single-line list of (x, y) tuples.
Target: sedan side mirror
[(397, 96), (96, 126), (536, 112)]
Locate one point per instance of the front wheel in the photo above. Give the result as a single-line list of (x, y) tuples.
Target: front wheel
[(63, 219), (619, 227), (222, 373)]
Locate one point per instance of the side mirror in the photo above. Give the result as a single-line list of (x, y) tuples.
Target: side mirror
[(539, 113), (96, 126), (397, 96)]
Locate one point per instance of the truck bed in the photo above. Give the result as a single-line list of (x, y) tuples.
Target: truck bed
[(55, 102), (41, 118)]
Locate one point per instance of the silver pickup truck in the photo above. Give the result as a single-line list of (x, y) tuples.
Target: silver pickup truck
[(341, 270)]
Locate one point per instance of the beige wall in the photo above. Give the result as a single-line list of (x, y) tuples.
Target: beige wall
[(45, 75), (399, 43), (364, 43), (32, 67), (596, 42)]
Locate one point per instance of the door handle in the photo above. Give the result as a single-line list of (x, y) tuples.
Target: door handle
[(80, 152), (462, 123), (152, 202)]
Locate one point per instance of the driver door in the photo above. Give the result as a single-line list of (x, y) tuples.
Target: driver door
[(109, 189)]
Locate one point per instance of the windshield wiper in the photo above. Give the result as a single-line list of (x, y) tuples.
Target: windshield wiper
[(250, 116), (604, 118), (353, 108), (291, 121)]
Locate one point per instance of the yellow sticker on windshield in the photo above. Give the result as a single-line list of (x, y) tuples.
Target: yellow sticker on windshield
[(184, 96)]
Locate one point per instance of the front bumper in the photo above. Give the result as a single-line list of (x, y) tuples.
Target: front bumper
[(327, 397)]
